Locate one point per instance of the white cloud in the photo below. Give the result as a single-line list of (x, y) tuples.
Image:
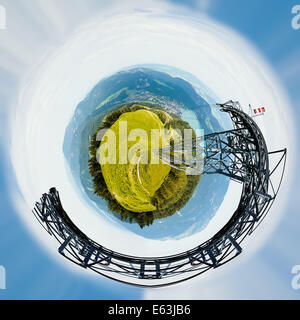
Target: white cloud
[(213, 53), (289, 67), (204, 5)]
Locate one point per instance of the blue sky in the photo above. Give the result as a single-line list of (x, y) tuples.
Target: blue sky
[(31, 272)]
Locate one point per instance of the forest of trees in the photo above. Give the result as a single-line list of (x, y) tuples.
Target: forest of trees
[(173, 194)]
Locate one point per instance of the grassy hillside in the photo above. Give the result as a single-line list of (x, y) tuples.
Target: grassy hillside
[(140, 191), (134, 184)]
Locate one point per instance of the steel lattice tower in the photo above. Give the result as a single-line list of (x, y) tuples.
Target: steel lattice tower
[(242, 155)]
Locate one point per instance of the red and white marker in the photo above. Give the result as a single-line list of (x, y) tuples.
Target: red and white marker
[(259, 111)]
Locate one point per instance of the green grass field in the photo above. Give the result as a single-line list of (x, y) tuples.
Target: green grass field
[(134, 184), (140, 190)]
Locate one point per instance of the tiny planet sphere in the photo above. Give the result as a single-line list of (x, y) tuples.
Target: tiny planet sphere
[(169, 89)]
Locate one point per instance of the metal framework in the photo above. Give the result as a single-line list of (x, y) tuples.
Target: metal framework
[(240, 154)]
